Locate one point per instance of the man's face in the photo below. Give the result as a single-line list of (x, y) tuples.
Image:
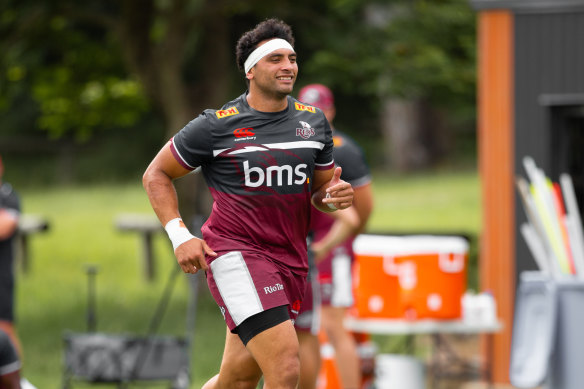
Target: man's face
[(275, 73)]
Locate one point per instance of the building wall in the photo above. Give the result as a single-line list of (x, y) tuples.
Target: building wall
[(549, 72)]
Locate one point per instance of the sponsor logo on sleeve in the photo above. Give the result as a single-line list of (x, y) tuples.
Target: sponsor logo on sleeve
[(223, 113), (302, 107), (306, 131)]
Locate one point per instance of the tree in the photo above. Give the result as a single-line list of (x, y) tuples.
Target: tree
[(100, 64), (418, 59), (86, 68)]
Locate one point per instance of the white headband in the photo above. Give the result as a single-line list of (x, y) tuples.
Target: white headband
[(265, 49)]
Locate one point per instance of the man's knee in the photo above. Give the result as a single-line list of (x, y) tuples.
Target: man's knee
[(291, 370)]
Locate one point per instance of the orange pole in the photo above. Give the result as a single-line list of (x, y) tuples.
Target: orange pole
[(496, 168)]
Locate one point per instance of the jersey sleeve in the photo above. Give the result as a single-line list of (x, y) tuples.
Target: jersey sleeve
[(192, 146), (324, 159), (352, 159)]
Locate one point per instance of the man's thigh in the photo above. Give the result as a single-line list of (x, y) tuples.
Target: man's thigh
[(275, 349), (238, 365)]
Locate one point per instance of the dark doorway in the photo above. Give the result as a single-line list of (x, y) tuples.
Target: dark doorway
[(567, 147)]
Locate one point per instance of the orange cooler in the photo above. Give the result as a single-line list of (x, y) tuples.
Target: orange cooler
[(411, 276)]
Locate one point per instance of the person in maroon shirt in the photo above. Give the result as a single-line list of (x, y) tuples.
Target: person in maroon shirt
[(333, 236), (266, 158)]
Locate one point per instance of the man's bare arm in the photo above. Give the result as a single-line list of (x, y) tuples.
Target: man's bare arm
[(157, 180)]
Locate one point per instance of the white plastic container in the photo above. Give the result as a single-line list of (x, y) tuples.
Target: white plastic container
[(394, 371)]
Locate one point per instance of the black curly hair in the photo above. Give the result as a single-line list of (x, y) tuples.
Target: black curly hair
[(268, 29)]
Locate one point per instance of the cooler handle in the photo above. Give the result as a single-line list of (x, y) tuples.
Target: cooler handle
[(454, 265), (389, 265)]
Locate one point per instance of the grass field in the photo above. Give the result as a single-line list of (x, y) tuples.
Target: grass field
[(52, 296)]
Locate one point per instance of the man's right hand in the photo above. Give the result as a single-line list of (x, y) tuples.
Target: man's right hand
[(191, 255)]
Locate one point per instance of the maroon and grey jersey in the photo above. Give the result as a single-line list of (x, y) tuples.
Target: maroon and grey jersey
[(259, 168)]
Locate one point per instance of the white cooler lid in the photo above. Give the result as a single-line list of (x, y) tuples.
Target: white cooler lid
[(393, 245)]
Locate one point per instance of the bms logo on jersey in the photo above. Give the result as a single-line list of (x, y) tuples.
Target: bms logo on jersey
[(285, 175)]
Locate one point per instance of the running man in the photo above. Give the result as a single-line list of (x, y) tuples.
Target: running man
[(265, 158), (333, 243)]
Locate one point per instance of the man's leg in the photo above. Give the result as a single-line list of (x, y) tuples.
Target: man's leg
[(309, 359), (346, 355), (238, 368), (273, 352), (276, 352)]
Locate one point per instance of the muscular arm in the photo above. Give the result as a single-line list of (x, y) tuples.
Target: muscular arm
[(363, 204), (157, 181)]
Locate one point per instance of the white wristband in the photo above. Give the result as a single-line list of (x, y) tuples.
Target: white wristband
[(330, 205), (177, 232)]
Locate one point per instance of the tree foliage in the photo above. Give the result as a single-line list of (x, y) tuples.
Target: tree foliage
[(70, 73), (409, 49), (81, 68)]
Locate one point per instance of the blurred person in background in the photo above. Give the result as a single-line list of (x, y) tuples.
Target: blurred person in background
[(307, 326), (9, 363), (266, 158), (333, 237), (9, 214), (308, 323)]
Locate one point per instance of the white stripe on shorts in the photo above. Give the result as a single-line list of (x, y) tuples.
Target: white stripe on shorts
[(236, 286), (341, 269)]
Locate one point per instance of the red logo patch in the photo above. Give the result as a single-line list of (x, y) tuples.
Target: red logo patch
[(243, 132), (296, 305)]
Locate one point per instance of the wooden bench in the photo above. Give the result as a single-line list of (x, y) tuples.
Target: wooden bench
[(28, 224), (146, 226)]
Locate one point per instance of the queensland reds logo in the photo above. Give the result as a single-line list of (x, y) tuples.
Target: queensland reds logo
[(306, 131)]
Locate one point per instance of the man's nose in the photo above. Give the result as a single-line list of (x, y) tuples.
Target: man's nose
[(287, 64)]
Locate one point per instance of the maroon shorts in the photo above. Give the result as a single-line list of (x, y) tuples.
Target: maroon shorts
[(246, 283)]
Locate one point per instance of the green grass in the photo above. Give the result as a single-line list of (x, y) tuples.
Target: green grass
[(429, 202), (52, 297)]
